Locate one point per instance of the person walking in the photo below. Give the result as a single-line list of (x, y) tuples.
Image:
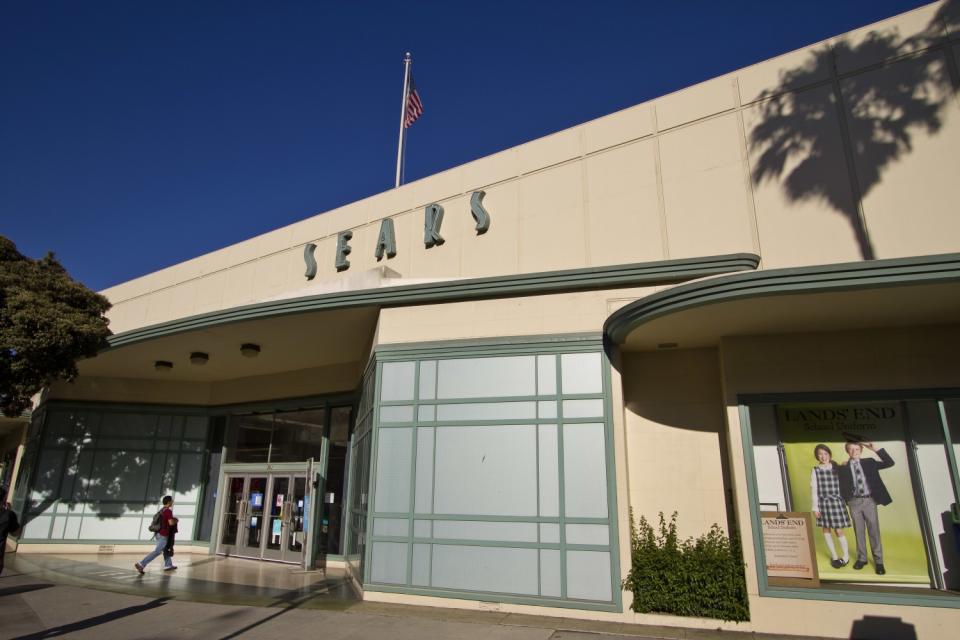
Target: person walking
[(167, 522), (8, 524)]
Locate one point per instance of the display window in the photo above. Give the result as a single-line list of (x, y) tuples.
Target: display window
[(856, 494)]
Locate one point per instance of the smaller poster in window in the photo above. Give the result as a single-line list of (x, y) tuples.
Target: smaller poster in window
[(788, 548)]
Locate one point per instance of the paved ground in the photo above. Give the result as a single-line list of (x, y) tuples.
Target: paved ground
[(101, 597)]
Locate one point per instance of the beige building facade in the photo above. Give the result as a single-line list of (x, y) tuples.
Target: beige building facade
[(459, 389)]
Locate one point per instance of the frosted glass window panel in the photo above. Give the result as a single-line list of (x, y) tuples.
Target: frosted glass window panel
[(125, 444), (95, 528), (72, 529), (583, 408), (422, 529), (84, 465), (550, 572), (428, 380), (397, 381), (498, 569), (588, 534), (188, 478), (486, 470), (549, 472), (487, 377), (547, 375), (164, 426), (119, 475), (426, 413), (588, 575), (38, 528), (396, 414), (389, 562), (155, 485), (424, 470), (59, 525), (550, 533), (181, 509), (488, 411), (581, 373), (48, 475), (547, 409), (60, 427), (585, 471), (195, 427), (393, 470), (421, 565), (69, 478), (473, 530), (185, 527), (390, 527)]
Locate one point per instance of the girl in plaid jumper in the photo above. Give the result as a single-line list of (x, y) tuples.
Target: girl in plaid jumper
[(828, 506)]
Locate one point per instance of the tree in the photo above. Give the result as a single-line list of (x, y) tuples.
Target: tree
[(48, 321)]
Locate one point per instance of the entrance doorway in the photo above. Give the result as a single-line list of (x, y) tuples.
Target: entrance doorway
[(266, 516)]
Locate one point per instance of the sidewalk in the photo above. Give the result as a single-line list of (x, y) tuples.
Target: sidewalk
[(98, 597)]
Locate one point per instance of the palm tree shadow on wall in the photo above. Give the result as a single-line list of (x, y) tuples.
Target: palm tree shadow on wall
[(882, 110)]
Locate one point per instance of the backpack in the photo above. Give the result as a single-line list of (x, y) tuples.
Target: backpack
[(157, 523)]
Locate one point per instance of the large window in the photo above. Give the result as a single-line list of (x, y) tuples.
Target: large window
[(493, 476), (874, 482), (100, 475), (292, 436)]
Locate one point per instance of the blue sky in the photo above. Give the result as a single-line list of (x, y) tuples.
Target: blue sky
[(136, 135)]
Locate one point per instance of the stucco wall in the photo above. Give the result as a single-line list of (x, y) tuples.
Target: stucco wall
[(676, 438)]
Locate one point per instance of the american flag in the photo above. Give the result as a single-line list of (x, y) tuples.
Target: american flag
[(414, 107)]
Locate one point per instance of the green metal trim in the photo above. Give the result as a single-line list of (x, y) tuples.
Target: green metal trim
[(628, 275), (196, 544), (616, 587), (374, 450), (867, 597), (262, 467), (485, 347), (500, 544), (946, 393), (490, 596), (873, 274), (484, 518), (561, 480), (279, 404), (951, 454)]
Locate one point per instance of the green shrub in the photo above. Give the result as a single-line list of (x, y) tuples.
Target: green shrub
[(702, 577)]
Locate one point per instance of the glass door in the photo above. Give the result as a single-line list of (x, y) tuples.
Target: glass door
[(251, 536), (234, 510), (297, 529), (277, 514)]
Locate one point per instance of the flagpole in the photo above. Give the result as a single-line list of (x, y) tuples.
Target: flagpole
[(407, 61)]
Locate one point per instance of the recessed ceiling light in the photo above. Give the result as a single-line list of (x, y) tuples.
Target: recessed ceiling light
[(199, 357), (667, 345), (163, 365), (250, 350)]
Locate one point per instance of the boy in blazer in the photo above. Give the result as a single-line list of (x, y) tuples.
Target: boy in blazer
[(862, 488)]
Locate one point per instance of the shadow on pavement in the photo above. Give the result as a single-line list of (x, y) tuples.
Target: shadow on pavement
[(24, 588), (94, 621)]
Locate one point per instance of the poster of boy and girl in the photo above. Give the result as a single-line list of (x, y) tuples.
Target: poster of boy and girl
[(851, 480)]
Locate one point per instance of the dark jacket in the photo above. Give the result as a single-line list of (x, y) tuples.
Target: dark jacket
[(871, 473)]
